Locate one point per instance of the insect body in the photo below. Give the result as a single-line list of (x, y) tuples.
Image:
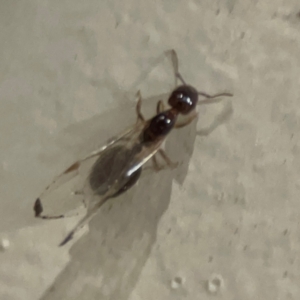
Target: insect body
[(119, 164)]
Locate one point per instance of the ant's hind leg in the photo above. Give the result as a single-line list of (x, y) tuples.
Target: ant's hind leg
[(156, 166), (170, 164), (140, 116), (166, 158)]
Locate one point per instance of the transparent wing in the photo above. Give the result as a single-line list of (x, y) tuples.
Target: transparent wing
[(112, 174), (109, 170), (54, 202)]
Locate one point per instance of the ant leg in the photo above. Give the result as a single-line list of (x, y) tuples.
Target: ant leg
[(140, 116), (160, 107), (166, 158), (156, 165), (189, 120)]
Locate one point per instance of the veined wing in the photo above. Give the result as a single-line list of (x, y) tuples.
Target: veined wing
[(123, 172), (47, 207)]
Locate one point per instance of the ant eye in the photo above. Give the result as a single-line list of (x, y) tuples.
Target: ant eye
[(184, 99)]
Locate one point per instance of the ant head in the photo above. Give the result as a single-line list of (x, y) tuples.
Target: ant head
[(184, 99)]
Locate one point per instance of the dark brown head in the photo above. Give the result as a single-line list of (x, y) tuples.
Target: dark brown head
[(184, 99)]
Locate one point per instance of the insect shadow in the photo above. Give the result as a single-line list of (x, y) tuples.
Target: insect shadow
[(106, 262)]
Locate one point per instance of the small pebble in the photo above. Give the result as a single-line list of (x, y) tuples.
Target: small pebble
[(176, 282), (4, 245), (215, 283)]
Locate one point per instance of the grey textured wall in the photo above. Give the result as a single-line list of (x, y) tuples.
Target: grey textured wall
[(226, 222)]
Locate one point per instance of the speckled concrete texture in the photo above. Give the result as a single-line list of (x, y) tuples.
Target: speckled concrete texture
[(225, 223)]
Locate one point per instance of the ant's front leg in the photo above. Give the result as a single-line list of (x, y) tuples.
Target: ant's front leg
[(138, 107), (187, 121)]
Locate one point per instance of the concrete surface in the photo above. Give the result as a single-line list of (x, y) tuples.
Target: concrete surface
[(225, 224)]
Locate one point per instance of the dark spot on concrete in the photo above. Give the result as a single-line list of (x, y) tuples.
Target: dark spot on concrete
[(178, 280), (38, 208)]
